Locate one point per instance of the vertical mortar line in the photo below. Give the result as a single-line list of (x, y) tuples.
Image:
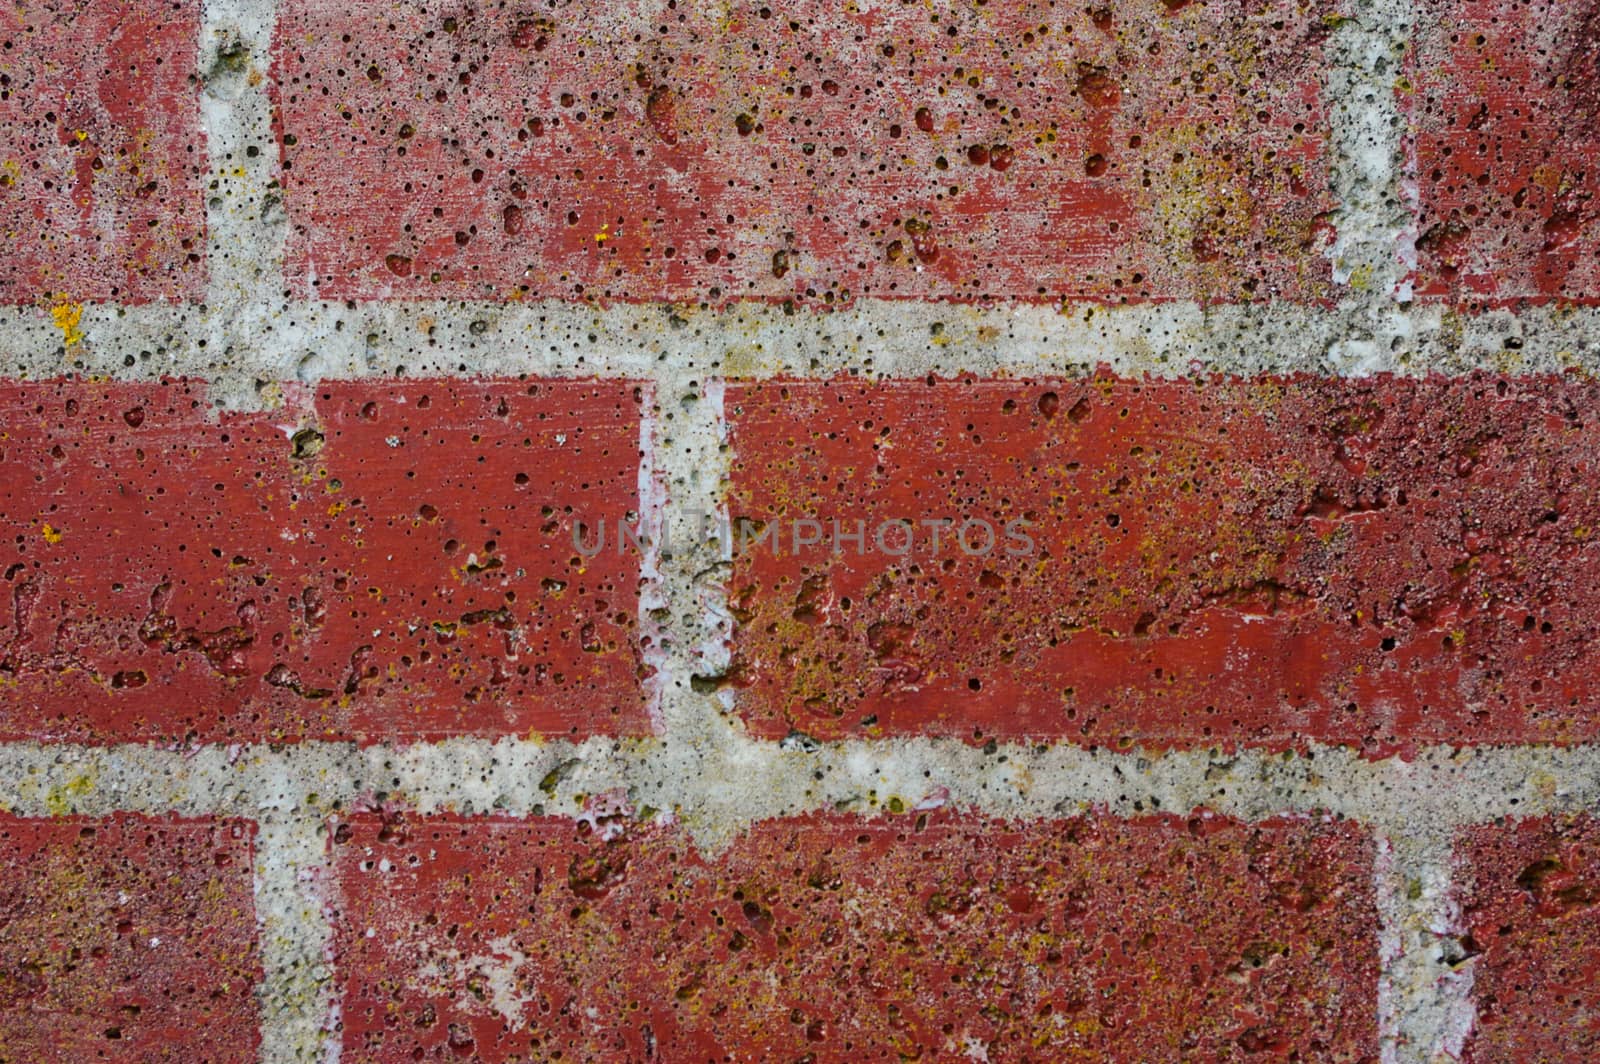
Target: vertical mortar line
[(686, 613), (713, 650), (289, 793), (299, 1012), (246, 225), (1374, 246), (245, 221), (1425, 1007)]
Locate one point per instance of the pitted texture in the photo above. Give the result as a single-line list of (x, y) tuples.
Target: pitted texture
[(127, 938), (100, 162), (1380, 563), (924, 936), (369, 562), (806, 151), (1506, 98), (1532, 936), (1310, 604)]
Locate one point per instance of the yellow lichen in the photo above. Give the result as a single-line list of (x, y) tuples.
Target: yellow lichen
[(62, 800), (67, 316)]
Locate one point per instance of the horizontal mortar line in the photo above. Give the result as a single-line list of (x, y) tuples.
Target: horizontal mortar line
[(738, 781), (309, 341)]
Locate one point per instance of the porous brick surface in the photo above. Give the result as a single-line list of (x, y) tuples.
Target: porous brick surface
[(1503, 106), (370, 561), (100, 152), (1374, 563), (810, 152), (127, 938), (1157, 608), (925, 936), (1532, 937)]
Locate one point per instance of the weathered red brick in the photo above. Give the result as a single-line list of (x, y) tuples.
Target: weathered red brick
[(100, 151), (1504, 103), (833, 938), (808, 151), (377, 560), (1528, 891), (127, 938), (1379, 562)]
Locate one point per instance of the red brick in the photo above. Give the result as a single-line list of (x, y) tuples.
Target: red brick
[(100, 151), (808, 151), (1379, 562), (1504, 110), (832, 938), (386, 560), (128, 938), (1528, 895)]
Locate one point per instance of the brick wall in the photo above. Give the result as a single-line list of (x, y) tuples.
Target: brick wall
[(666, 531)]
